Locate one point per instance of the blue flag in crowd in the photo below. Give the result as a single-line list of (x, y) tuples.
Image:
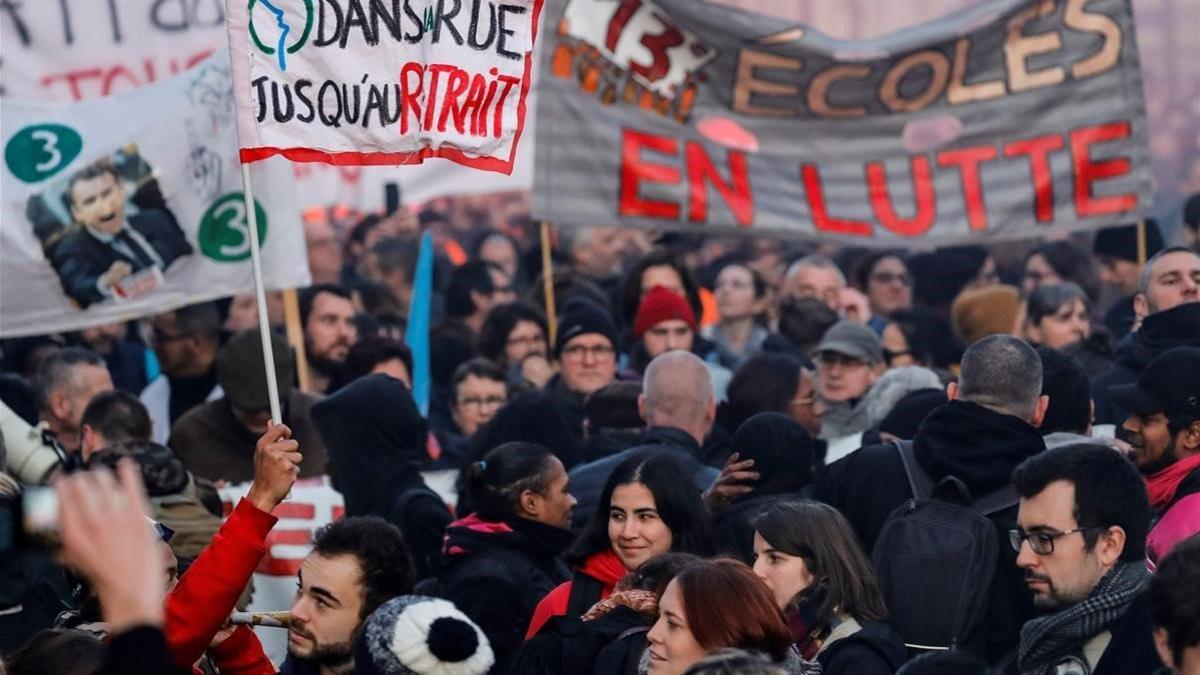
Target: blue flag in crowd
[(417, 334)]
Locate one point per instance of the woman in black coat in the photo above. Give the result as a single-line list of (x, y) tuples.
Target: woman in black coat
[(500, 561)]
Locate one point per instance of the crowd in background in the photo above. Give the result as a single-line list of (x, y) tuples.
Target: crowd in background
[(722, 454)]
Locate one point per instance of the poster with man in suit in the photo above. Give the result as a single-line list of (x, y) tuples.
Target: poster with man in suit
[(107, 242)]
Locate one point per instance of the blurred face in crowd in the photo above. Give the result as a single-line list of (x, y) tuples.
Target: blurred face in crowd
[(326, 610), (330, 331), (1068, 573), (476, 401), (662, 275), (553, 506), (1174, 280), (842, 378), (255, 421), (636, 531), (822, 283), (803, 406), (524, 339), (588, 363), (177, 351), (500, 252), (889, 287), (783, 573), (896, 350), (102, 339), (735, 294), (1153, 446), (600, 257), (673, 648), (502, 292), (66, 404), (243, 311), (1119, 273), (99, 203), (988, 276), (1037, 273), (1070, 324), (668, 335), (324, 252)]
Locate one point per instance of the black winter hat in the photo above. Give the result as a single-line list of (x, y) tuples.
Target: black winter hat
[(908, 413), (1170, 384), (581, 317), (1121, 242)]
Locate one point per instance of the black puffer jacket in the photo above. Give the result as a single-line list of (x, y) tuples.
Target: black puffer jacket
[(1161, 331), (961, 439), (497, 572), (874, 650)]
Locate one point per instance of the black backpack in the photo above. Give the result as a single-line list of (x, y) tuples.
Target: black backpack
[(935, 557)]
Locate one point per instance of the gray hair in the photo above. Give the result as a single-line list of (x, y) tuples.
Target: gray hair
[(1047, 299), (1144, 279), (814, 260), (677, 388), (895, 385), (60, 370), (1002, 373)]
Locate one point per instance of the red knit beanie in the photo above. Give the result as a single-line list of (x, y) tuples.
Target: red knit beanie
[(662, 304)]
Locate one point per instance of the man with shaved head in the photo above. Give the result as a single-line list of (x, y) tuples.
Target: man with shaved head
[(678, 406)]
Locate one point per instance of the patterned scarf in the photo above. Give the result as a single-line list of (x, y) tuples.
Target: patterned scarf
[(1049, 641), (642, 602)]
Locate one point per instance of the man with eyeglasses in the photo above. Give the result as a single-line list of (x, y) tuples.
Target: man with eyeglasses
[(1080, 541), (185, 341), (478, 390), (1163, 430), (849, 360), (586, 348)]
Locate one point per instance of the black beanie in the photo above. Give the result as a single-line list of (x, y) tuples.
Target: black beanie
[(908, 413), (1121, 242), (581, 317)]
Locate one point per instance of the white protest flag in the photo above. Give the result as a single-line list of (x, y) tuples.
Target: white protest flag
[(359, 82), (126, 206)]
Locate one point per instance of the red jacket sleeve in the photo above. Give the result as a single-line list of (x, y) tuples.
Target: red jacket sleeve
[(209, 590), (242, 654), (554, 604)]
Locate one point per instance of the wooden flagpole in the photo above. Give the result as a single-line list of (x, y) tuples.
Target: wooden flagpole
[(295, 336), (548, 284)]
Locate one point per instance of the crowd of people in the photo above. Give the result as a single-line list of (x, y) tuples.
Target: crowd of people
[(711, 455)]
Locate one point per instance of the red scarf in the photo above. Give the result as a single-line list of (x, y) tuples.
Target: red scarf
[(1163, 485)]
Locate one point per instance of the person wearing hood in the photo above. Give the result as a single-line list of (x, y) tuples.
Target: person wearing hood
[(988, 427), (498, 562), (782, 455), (212, 438), (377, 444), (1167, 306), (1164, 429), (807, 555), (906, 416)]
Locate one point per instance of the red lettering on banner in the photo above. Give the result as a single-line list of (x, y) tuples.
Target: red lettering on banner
[(108, 78), (736, 192), (283, 567), (410, 99), (1038, 149), (967, 160), (634, 171), (820, 215), (1088, 171), (885, 210)]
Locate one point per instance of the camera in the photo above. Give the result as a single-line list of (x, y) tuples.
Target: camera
[(33, 456)]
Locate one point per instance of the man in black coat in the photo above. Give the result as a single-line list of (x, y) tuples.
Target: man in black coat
[(1080, 537), (678, 406), (1168, 308), (988, 427), (108, 245)]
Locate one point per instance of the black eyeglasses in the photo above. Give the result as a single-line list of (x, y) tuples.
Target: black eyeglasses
[(1042, 542)]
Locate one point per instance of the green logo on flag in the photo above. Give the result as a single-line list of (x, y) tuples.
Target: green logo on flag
[(286, 29), (225, 231), (39, 151)]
